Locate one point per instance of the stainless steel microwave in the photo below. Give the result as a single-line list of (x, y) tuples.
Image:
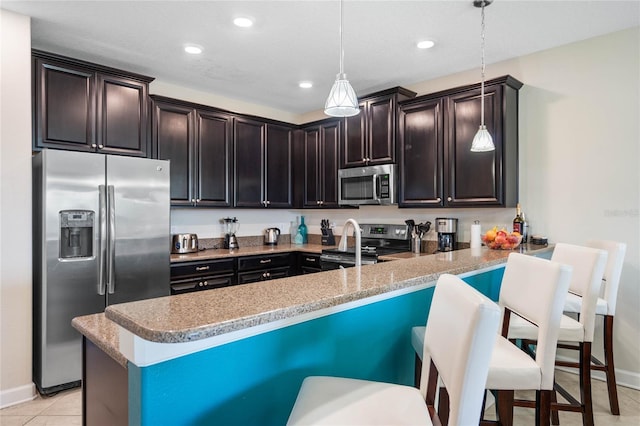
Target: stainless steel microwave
[(367, 185)]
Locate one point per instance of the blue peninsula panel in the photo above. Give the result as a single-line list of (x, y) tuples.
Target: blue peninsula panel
[(255, 381)]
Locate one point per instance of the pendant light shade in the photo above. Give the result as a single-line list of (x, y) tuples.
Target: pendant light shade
[(482, 141), (342, 100)]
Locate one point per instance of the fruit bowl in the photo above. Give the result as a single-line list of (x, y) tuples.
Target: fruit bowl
[(501, 240)]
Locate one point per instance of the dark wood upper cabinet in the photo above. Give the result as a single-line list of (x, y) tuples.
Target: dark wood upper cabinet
[(278, 166), (88, 107), (321, 152), (198, 141), (249, 138), (437, 167), (370, 137), (263, 164), (214, 158), (421, 153)]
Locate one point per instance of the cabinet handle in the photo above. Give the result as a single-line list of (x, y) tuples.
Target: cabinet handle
[(267, 202), (197, 200), (310, 259), (200, 284), (206, 283), (438, 199), (263, 261), (93, 145), (202, 268), (449, 198), (100, 146), (268, 274)]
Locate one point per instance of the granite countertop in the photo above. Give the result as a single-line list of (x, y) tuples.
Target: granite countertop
[(194, 316), (103, 333), (218, 253)]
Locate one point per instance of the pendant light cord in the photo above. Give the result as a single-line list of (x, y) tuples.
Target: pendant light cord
[(341, 49), (482, 72)]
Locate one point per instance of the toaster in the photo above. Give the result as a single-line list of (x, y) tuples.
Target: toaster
[(184, 243)]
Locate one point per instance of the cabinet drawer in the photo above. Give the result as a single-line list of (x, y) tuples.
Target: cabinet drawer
[(249, 263), (203, 283), (202, 268), (309, 260), (263, 275)]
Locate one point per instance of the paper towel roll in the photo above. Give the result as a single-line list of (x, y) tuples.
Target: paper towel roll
[(475, 235)]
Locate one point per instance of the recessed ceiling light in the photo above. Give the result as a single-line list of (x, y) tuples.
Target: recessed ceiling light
[(426, 44), (193, 49), (306, 84), (243, 22)]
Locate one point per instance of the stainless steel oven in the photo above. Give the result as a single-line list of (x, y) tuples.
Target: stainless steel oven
[(367, 185), (376, 240)]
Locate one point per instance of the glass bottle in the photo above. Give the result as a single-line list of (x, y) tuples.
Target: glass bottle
[(518, 221), (302, 230), (297, 237)]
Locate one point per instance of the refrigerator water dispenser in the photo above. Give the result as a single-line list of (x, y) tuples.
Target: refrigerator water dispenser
[(76, 234)]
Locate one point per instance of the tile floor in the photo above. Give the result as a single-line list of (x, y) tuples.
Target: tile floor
[(65, 409)]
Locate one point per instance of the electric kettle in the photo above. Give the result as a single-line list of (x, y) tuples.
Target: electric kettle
[(271, 236)]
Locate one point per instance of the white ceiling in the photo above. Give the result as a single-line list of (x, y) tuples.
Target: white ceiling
[(299, 40)]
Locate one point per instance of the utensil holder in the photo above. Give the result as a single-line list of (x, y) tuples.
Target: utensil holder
[(327, 237), (416, 244)]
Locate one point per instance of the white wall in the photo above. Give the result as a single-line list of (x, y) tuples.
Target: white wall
[(579, 178), (15, 209)]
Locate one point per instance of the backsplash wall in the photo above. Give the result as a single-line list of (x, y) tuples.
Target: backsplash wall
[(206, 222)]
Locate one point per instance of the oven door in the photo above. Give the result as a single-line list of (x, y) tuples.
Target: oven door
[(329, 261)]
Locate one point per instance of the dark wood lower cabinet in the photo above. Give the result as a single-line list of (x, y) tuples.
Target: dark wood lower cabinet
[(105, 388)]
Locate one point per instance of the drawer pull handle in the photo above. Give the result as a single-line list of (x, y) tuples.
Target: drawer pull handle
[(309, 259), (265, 261), (202, 268)]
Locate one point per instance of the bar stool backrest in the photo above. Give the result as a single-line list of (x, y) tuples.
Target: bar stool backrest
[(612, 272), (461, 331), (588, 269), (536, 290)]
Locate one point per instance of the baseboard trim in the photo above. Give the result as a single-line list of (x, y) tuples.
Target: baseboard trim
[(628, 379), (13, 396)]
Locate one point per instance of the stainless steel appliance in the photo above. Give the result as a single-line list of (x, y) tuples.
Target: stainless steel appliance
[(184, 243), (447, 229), (230, 228), (101, 236), (271, 236), (376, 240), (367, 185)]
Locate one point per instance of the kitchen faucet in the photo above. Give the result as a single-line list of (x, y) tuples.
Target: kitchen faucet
[(343, 240)]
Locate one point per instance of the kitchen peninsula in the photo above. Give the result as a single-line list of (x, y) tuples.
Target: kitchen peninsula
[(237, 355)]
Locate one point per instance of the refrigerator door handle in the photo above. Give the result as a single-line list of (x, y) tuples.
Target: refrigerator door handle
[(102, 248), (111, 275)]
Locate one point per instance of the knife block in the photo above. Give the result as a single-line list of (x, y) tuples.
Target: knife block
[(327, 237)]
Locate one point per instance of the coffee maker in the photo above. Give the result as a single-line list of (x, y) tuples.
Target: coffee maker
[(230, 228), (446, 229)]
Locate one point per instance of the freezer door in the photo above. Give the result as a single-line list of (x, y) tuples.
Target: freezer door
[(139, 229), (66, 266)]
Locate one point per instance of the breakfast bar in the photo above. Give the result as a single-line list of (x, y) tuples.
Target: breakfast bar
[(237, 355)]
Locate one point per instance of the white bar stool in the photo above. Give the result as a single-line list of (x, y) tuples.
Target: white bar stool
[(588, 267), (606, 307), (534, 291), (458, 351)]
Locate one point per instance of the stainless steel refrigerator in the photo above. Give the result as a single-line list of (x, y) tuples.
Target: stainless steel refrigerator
[(101, 236)]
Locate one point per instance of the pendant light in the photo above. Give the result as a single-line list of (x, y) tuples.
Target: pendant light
[(482, 141), (342, 100)]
